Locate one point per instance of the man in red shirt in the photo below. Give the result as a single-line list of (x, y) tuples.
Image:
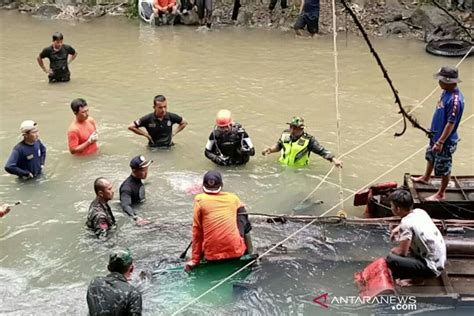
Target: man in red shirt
[(82, 133), (166, 9), (221, 229)]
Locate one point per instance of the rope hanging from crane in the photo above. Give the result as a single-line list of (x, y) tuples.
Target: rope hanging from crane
[(402, 111)]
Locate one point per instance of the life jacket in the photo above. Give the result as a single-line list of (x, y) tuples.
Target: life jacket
[(375, 279), (294, 154)]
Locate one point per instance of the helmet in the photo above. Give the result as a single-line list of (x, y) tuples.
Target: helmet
[(224, 118)]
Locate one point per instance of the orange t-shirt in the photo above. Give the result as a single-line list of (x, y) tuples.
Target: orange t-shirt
[(78, 133), (164, 3), (215, 230)]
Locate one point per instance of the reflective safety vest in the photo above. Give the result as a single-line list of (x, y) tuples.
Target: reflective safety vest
[(294, 154)]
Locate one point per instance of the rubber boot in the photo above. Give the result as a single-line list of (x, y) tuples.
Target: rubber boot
[(248, 243)]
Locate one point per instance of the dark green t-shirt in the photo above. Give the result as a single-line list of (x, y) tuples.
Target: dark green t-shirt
[(57, 59)]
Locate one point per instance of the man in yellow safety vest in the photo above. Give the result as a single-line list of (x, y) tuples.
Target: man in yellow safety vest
[(296, 145)]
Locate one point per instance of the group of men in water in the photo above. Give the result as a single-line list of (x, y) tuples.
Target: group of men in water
[(221, 229)]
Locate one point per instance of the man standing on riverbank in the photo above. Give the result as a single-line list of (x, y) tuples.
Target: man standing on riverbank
[(113, 295), (205, 12), (308, 17), (28, 156), (296, 145), (132, 190), (57, 54), (159, 125), (221, 229), (82, 133), (444, 125), (100, 218)]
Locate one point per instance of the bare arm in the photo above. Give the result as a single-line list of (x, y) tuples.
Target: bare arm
[(448, 129), (80, 148), (181, 126), (41, 64), (73, 142), (403, 248), (72, 58), (269, 150), (140, 132), (302, 5)]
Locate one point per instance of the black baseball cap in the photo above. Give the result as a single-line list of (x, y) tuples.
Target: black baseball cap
[(212, 182), (139, 162)]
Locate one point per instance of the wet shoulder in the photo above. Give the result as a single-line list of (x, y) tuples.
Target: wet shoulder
[(91, 121), (125, 184), (73, 127), (175, 118)]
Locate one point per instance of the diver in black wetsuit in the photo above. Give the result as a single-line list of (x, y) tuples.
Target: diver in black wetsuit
[(132, 190), (229, 143)]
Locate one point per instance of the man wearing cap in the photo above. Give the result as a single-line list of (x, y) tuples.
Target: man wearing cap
[(132, 190), (221, 229), (28, 156), (159, 125), (444, 125), (82, 133), (113, 295), (58, 54), (229, 143), (100, 218), (296, 145)]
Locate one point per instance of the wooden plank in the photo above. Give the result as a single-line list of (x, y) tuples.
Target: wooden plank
[(411, 186), (460, 187), (447, 284), (462, 267)]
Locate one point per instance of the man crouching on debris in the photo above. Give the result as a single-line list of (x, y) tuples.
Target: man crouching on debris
[(421, 252)]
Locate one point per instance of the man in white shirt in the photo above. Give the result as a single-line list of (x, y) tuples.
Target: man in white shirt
[(421, 252)]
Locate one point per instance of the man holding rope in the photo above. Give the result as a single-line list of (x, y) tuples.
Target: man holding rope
[(296, 145), (444, 125)]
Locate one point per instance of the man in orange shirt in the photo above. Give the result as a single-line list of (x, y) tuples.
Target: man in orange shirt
[(166, 8), (82, 133), (221, 229)]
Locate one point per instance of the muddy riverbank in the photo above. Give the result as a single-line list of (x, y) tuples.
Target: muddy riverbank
[(398, 18)]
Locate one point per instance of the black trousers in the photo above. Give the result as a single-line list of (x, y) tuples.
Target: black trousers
[(243, 222), (60, 75), (273, 4), (408, 267)]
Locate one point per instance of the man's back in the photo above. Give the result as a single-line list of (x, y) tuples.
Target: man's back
[(426, 239), (112, 295), (216, 215)]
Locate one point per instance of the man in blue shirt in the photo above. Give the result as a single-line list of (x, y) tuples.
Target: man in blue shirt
[(28, 156), (444, 125)]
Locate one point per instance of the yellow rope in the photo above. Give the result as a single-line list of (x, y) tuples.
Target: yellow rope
[(336, 95)]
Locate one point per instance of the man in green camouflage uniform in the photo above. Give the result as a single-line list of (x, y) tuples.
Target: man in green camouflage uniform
[(100, 218), (113, 295)]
